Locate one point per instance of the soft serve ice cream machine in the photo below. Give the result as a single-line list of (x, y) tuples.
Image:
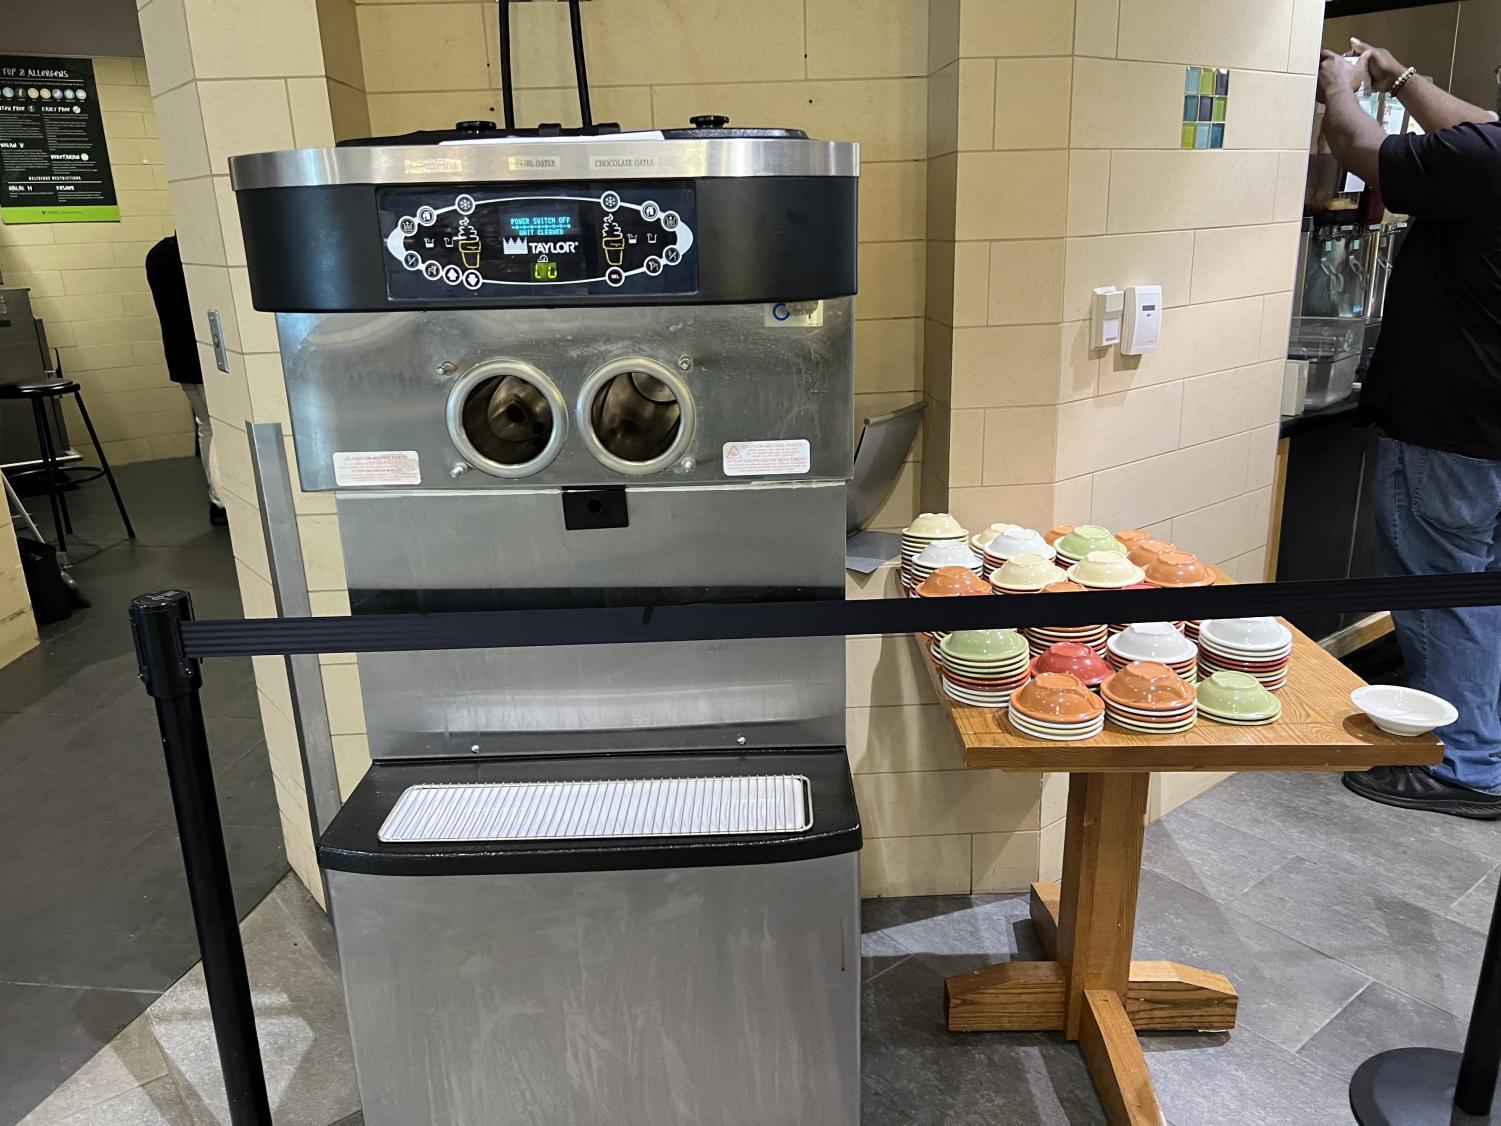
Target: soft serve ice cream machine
[(602, 883)]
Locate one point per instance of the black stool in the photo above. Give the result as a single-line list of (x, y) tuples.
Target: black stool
[(53, 475)]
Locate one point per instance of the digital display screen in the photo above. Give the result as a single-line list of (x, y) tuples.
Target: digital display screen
[(533, 226), (574, 239)]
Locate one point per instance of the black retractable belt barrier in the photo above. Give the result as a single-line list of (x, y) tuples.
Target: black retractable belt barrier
[(1395, 1088), (173, 680)]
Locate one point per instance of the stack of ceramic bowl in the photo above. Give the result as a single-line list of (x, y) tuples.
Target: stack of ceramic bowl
[(1057, 707), (1261, 647), (1083, 539), (1105, 570), (1013, 541), (981, 540), (1150, 699), (949, 582), (1042, 638), (1131, 537), (1026, 573), (942, 553), (1173, 569), (1237, 698), (926, 529), (982, 667), (1154, 641), (1077, 660)]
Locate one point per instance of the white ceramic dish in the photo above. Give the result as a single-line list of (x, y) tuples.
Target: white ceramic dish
[(1027, 727), (1246, 635), (1153, 641), (946, 553), (1403, 711), (935, 526), (1016, 540)]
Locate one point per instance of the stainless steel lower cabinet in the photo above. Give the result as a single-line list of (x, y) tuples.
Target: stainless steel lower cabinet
[(711, 994)]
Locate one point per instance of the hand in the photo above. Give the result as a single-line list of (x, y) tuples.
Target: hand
[(1340, 74), (1384, 69)]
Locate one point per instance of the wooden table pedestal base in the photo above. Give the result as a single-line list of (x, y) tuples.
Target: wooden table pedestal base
[(1090, 989)]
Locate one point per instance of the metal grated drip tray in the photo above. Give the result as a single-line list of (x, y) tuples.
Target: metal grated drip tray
[(656, 807)]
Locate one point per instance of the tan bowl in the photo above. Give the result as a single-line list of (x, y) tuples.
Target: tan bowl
[(1058, 697), (952, 582), (1144, 552), (1150, 686), (1179, 569)]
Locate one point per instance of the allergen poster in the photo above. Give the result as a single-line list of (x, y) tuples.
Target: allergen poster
[(54, 166)]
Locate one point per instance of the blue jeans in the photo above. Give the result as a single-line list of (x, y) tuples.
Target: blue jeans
[(1440, 513)]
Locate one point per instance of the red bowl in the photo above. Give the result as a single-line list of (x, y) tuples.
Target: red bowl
[(1074, 658)]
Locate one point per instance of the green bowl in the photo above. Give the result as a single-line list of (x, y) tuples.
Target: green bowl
[(1237, 695), (1089, 537), (985, 646)]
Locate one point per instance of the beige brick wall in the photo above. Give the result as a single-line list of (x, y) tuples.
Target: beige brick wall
[(17, 627), (88, 282), (1059, 138)]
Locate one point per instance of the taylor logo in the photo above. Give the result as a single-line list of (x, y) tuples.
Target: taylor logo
[(514, 245)]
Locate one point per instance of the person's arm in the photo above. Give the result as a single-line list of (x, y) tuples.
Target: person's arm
[(1432, 107), (1354, 136)]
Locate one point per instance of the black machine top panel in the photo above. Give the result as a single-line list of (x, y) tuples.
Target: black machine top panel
[(516, 241), (700, 216)]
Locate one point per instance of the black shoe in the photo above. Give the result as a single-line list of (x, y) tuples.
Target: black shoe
[(1413, 787), (217, 516)]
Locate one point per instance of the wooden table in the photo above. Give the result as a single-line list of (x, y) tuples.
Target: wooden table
[(1089, 988)]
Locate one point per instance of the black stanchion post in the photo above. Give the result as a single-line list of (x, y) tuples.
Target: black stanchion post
[(173, 679), (1434, 1087), (1476, 1088)]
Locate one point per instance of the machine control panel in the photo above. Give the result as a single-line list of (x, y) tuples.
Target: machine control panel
[(485, 243)]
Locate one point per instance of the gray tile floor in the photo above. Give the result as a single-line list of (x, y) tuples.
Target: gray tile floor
[(96, 922)]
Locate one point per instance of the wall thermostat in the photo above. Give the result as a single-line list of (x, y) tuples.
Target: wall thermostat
[(1142, 323)]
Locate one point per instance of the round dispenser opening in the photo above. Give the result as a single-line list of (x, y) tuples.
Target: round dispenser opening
[(506, 418), (636, 415)]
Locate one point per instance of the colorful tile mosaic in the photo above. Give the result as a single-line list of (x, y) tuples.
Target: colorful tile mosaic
[(1206, 96)]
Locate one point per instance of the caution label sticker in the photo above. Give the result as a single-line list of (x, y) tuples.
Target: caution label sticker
[(355, 468), (766, 459)]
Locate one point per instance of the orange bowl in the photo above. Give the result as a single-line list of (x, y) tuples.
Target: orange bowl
[(1150, 686), (1063, 586), (1178, 568), (1058, 533), (952, 582), (1131, 537), (1144, 552), (1057, 697)]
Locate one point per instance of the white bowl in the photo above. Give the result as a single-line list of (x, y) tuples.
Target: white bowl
[(1016, 540), (981, 540), (946, 553), (1153, 641), (1247, 635), (1403, 711)]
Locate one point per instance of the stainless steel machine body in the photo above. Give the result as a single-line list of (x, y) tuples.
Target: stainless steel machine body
[(599, 372)]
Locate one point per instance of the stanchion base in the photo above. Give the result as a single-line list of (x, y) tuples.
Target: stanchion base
[(1409, 1087)]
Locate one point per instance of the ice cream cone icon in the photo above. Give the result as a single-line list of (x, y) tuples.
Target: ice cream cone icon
[(613, 241)]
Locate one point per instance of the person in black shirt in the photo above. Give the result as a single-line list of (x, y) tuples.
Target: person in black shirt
[(1434, 389), (169, 291)]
